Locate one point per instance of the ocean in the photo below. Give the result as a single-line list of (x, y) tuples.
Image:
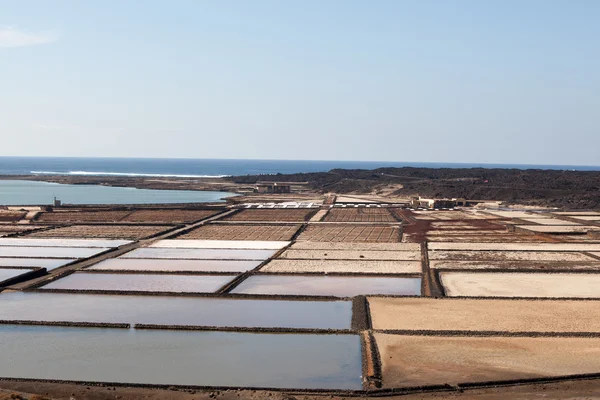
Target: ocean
[(171, 167)]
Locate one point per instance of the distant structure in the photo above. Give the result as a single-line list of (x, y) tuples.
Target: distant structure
[(420, 202), (57, 202), (273, 187)]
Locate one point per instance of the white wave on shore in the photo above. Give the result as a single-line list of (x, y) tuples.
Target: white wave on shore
[(130, 174)]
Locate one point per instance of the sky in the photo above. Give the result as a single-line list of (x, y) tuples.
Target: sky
[(498, 81)]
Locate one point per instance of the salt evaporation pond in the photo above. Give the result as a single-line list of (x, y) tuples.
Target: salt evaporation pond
[(141, 282), (340, 286), (50, 252), (175, 310), (9, 273), (140, 265), (63, 242), (169, 357), (48, 263), (200, 254)]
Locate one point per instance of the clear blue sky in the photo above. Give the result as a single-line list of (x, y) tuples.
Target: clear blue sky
[(442, 81)]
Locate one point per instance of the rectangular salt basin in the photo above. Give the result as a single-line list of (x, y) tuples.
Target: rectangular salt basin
[(140, 264), (558, 229), (9, 273), (351, 255), (356, 246), (515, 246), (517, 214), (487, 315), (175, 310), (549, 221), (63, 242), (50, 252), (332, 266), (516, 265), (328, 285), (220, 244), (516, 284), (588, 218), (509, 256), (200, 254), (409, 361), (48, 263), (578, 213), (140, 282), (169, 357)]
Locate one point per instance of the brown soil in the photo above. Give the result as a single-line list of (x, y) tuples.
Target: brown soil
[(351, 233), (102, 231), (243, 232), (471, 315), (427, 360), (568, 390), (169, 216), (361, 214), (273, 215)]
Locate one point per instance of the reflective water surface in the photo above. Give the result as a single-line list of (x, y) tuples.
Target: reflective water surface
[(200, 254), (48, 263), (50, 252), (169, 310), (340, 286), (181, 357), (63, 242), (137, 264), (8, 273), (140, 282)]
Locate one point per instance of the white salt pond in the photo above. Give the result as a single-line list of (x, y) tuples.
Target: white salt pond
[(48, 263), (50, 252), (339, 286), (174, 310), (9, 273), (220, 244), (154, 265), (63, 242), (200, 254), (141, 282), (168, 357)]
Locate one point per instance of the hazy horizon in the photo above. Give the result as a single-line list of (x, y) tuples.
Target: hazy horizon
[(386, 81)]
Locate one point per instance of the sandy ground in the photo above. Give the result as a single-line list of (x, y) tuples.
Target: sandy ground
[(352, 255), (509, 256), (307, 245), (422, 360), (558, 229), (465, 232), (578, 213), (587, 217), (517, 214), (527, 238), (515, 284), (485, 315), (516, 265), (319, 215), (569, 390), (516, 246), (549, 221), (329, 266)]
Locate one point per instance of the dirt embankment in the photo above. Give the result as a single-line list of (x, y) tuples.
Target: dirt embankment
[(566, 189)]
